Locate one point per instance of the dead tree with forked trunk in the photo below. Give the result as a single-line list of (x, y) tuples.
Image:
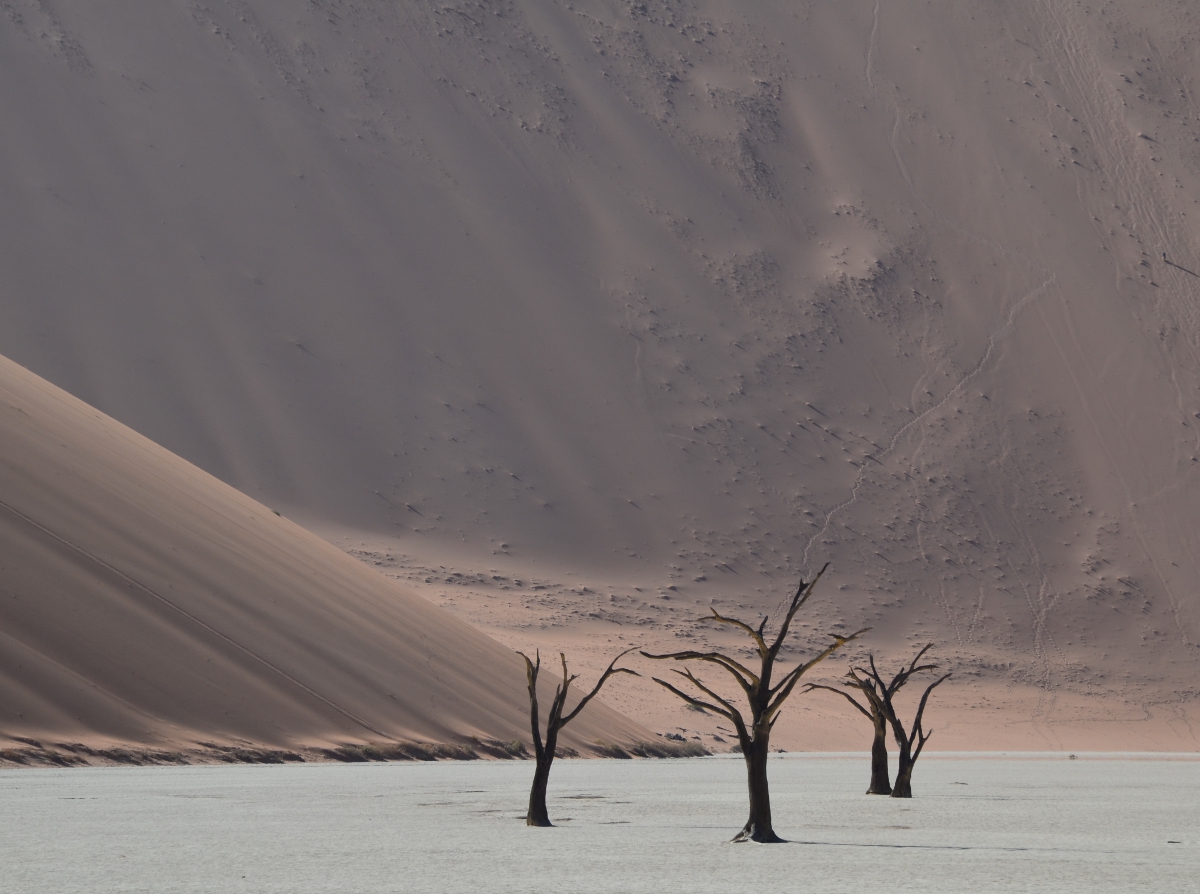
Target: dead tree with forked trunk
[(881, 782), (881, 709), (544, 749), (764, 701)]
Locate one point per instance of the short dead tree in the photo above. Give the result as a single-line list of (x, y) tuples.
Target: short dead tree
[(881, 783), (544, 749), (764, 701), (881, 709)]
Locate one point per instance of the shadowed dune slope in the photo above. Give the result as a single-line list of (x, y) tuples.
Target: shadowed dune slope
[(142, 600)]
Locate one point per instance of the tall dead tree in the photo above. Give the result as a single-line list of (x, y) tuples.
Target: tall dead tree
[(881, 709), (764, 701), (544, 749)]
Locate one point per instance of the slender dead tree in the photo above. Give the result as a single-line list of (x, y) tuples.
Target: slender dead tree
[(882, 709), (544, 749), (764, 701)]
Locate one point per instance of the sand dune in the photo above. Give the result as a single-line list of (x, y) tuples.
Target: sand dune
[(558, 309), (143, 601)]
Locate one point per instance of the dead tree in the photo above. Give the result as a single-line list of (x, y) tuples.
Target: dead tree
[(882, 709), (764, 701), (881, 783), (544, 749)]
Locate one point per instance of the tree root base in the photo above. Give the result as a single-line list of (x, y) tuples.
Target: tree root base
[(752, 835)]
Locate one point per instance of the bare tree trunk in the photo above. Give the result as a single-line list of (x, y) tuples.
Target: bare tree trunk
[(903, 787), (758, 827), (881, 784), (538, 815), (906, 740), (876, 711)]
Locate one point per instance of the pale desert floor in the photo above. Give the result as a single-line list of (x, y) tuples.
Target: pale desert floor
[(990, 823)]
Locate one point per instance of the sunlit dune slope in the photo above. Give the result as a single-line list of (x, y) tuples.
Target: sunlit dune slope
[(142, 600)]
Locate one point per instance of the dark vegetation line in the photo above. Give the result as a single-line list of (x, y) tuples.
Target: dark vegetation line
[(33, 753)]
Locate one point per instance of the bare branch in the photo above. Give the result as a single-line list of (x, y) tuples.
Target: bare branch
[(734, 714), (609, 671), (809, 687), (866, 686), (554, 721), (864, 682), (531, 675), (706, 690), (747, 682), (908, 672), (921, 737), (903, 676), (742, 625), (531, 669), (929, 689), (691, 700), (874, 674), (913, 664), (784, 689), (566, 683), (801, 597), (780, 693)]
